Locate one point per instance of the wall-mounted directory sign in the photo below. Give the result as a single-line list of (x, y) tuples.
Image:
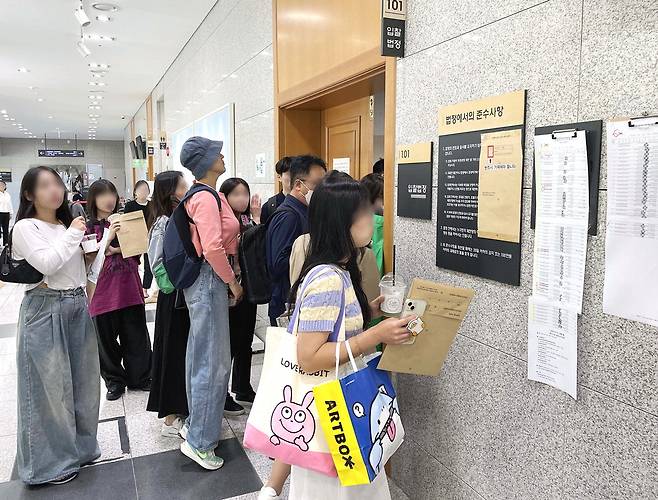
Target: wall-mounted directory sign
[(61, 153), (479, 194), (394, 15), (415, 180)]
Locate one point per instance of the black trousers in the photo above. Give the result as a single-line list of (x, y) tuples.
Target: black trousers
[(134, 348), (172, 327), (148, 275), (4, 227), (242, 323)]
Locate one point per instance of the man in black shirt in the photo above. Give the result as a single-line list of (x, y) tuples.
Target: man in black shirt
[(282, 169)]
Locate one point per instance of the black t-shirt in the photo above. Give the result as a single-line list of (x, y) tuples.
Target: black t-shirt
[(133, 206), (270, 206)]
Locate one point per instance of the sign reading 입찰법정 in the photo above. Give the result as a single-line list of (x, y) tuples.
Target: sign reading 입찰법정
[(394, 15), (415, 181), (61, 153), (481, 240), (5, 174)]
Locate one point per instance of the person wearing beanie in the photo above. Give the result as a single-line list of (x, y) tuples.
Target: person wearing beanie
[(208, 359)]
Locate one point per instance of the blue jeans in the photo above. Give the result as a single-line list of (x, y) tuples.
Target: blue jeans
[(208, 358), (58, 385)]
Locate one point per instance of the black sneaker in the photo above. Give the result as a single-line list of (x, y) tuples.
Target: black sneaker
[(231, 408), (245, 399), (65, 479), (114, 394)]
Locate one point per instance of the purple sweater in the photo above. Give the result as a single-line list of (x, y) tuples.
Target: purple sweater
[(118, 284)]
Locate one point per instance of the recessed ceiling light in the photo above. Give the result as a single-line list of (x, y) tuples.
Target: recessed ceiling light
[(94, 116), (99, 66), (97, 84), (50, 117), (3, 111), (103, 18), (96, 97), (13, 124), (40, 99), (32, 87), (105, 6), (23, 69), (12, 119), (94, 107), (6, 118), (97, 75)]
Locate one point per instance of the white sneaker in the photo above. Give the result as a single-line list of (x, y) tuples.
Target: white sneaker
[(267, 493), (206, 459), (172, 430), (182, 432)]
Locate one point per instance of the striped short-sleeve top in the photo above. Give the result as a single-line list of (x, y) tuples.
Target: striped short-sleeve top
[(320, 304)]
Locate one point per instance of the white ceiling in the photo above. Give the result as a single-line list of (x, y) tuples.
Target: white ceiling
[(41, 35)]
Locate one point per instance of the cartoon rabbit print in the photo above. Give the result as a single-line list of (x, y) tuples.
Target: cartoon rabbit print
[(292, 422)]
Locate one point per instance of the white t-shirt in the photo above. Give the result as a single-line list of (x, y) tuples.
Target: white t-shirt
[(52, 250), (5, 203)]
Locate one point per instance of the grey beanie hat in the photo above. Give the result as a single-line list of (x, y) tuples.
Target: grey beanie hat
[(198, 154)]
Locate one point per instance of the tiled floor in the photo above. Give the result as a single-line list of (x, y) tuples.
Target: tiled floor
[(137, 460)]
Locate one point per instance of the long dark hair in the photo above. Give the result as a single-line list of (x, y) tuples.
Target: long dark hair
[(26, 209), (164, 200), (101, 186), (335, 203), (228, 186)]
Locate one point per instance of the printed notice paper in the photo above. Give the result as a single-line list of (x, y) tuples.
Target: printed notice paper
[(552, 346), (341, 164), (499, 192), (631, 242), (562, 210)]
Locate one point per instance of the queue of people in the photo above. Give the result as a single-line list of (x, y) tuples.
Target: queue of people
[(320, 225)]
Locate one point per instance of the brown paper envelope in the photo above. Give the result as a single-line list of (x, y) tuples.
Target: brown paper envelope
[(499, 191), (446, 308), (133, 236)]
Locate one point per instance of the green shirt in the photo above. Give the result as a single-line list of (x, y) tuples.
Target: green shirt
[(378, 242)]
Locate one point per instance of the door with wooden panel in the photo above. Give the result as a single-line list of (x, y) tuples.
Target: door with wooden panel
[(347, 137)]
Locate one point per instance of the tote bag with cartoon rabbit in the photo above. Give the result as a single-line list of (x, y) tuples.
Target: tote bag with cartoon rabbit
[(283, 422)]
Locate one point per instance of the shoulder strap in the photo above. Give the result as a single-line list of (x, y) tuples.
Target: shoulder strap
[(196, 187)]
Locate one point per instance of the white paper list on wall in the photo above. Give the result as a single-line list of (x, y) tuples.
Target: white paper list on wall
[(341, 164), (260, 165), (560, 253), (631, 244)]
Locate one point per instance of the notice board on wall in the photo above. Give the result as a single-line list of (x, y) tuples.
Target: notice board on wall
[(461, 130)]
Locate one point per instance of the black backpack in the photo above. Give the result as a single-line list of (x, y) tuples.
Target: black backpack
[(17, 271), (179, 256), (252, 255)]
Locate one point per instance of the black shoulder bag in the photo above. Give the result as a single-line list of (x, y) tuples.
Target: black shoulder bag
[(17, 271)]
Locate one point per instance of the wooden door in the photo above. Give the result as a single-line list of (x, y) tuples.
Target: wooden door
[(347, 137)]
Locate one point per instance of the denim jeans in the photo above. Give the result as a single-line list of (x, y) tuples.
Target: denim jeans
[(58, 385), (208, 358)]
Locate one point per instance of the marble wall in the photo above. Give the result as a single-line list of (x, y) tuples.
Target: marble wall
[(227, 60), (481, 429)]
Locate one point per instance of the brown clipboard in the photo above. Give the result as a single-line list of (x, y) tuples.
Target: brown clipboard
[(446, 308)]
